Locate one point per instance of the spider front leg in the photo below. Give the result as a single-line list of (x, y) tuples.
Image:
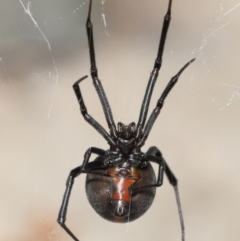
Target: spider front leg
[(159, 105), (69, 184), (94, 73), (155, 152), (154, 73), (87, 117)]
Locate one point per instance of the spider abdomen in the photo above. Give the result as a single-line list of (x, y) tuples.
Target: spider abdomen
[(114, 198)]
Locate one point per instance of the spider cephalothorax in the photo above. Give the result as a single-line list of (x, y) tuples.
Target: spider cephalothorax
[(125, 151), (121, 182), (126, 141)]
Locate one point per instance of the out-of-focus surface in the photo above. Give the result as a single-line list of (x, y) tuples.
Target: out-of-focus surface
[(43, 50)]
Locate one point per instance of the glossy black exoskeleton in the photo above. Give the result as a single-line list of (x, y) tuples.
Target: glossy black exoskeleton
[(121, 182)]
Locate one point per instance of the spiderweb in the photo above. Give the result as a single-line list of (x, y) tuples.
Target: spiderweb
[(43, 51)]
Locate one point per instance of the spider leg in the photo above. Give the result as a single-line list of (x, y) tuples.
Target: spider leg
[(154, 73), (91, 42), (87, 117), (97, 83), (159, 105), (155, 152), (161, 168), (69, 184)]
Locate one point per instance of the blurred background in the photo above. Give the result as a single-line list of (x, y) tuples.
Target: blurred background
[(43, 51)]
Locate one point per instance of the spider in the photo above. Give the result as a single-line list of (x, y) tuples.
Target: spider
[(120, 182)]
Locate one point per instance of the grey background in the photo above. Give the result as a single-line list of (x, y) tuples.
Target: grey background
[(43, 135)]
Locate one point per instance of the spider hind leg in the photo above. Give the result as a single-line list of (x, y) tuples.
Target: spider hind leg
[(154, 151)]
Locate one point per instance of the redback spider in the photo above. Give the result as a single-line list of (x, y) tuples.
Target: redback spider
[(121, 182)]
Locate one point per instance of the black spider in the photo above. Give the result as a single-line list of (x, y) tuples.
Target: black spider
[(121, 182)]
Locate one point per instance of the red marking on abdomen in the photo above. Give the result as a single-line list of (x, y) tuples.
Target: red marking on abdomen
[(122, 192)]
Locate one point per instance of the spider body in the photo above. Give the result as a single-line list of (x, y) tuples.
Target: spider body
[(112, 188), (121, 182)]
